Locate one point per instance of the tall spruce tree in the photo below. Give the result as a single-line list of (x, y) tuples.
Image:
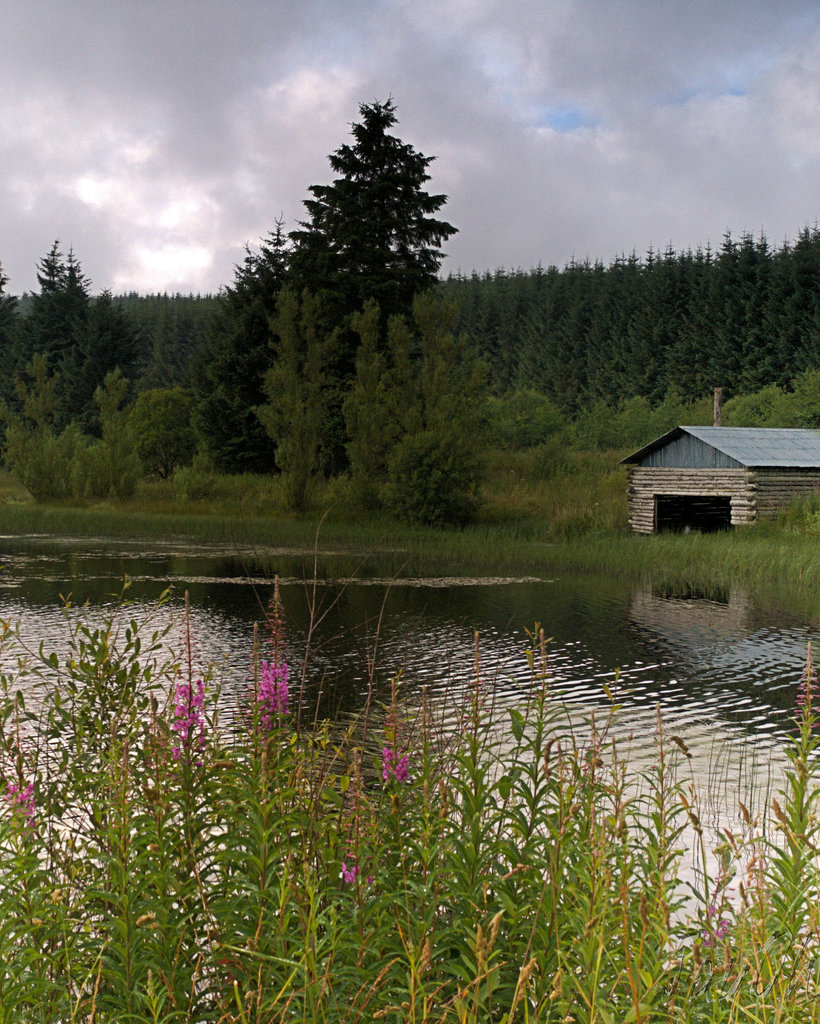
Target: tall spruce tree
[(56, 326), (81, 339), (10, 355), (110, 344), (372, 233)]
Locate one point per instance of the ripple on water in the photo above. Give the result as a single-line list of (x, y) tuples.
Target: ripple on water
[(722, 673)]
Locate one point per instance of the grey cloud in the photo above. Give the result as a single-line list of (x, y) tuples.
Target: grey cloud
[(159, 136)]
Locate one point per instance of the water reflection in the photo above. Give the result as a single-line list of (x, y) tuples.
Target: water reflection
[(722, 666), (726, 655)]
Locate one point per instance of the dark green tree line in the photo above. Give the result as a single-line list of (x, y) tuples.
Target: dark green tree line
[(337, 349), (743, 317)]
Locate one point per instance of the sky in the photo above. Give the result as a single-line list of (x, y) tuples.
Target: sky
[(158, 138)]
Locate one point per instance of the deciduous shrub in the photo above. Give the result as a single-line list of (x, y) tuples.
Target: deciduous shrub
[(162, 424), (434, 479)]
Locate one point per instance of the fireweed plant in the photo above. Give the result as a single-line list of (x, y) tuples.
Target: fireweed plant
[(164, 859)]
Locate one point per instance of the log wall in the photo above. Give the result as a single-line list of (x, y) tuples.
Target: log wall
[(753, 494), (777, 488), (645, 482)]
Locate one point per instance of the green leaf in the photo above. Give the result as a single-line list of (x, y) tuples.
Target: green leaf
[(516, 724)]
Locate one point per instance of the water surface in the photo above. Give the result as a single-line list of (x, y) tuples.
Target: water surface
[(722, 668)]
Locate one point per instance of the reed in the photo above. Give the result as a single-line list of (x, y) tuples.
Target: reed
[(535, 522), (169, 855)]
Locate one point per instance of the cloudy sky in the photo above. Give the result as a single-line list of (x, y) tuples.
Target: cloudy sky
[(158, 137)]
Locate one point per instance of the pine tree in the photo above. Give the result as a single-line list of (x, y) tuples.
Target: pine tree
[(11, 358), (109, 344), (59, 314), (229, 384), (81, 339), (372, 233)]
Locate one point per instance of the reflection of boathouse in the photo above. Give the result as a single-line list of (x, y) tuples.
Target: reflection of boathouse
[(690, 613), (710, 478)]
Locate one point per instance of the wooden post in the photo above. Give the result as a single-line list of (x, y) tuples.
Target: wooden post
[(718, 406)]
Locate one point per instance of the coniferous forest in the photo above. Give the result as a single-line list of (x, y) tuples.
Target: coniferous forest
[(338, 350)]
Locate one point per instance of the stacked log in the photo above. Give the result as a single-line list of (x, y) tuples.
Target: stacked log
[(777, 488), (754, 494), (644, 483)]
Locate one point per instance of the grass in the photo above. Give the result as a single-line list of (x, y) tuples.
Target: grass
[(171, 857), (538, 517)]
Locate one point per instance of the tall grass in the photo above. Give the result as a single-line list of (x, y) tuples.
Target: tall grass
[(169, 854), (541, 515)]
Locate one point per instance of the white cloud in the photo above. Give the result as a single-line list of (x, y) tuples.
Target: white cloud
[(168, 267), (158, 138)]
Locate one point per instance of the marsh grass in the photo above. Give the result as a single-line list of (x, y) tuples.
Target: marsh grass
[(170, 858), (541, 514)]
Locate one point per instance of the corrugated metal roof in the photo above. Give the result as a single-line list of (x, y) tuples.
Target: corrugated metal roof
[(750, 446)]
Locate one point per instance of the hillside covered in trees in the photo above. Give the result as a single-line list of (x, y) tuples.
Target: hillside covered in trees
[(338, 351), (744, 317)]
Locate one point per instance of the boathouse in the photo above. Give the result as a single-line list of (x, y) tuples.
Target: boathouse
[(711, 478)]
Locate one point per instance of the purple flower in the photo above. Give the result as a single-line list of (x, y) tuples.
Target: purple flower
[(189, 718), (351, 870), (21, 803), (715, 931), (273, 694), (395, 766), (349, 873)]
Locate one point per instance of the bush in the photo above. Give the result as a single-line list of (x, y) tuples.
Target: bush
[(434, 480), (48, 464), (53, 465), (546, 461), (633, 422), (522, 419), (802, 514), (769, 407), (162, 424), (194, 482)]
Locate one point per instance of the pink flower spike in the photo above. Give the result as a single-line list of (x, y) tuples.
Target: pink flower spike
[(394, 766), (189, 718), (21, 804), (273, 696), (716, 930)]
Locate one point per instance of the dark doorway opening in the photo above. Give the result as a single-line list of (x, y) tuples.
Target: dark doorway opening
[(706, 513)]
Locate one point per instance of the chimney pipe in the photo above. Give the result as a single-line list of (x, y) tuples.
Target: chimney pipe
[(718, 406)]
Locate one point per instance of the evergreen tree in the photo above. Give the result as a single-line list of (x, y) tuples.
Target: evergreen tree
[(59, 314), (11, 360), (434, 466), (230, 383), (795, 306), (372, 233), (366, 413), (81, 339), (110, 344), (690, 366), (294, 413)]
